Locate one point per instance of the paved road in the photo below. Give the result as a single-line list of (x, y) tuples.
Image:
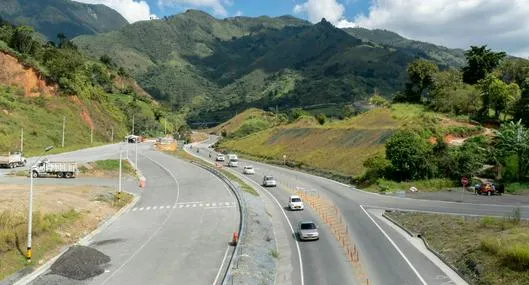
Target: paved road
[(323, 261), (177, 233), (387, 257)]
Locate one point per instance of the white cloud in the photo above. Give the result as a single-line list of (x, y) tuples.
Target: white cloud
[(238, 13), (216, 5), (501, 24), (131, 10), (331, 10)]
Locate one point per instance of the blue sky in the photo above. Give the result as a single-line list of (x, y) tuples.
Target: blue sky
[(500, 24), (255, 8)]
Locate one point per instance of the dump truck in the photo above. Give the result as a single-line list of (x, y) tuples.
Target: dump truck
[(12, 160), (59, 169)]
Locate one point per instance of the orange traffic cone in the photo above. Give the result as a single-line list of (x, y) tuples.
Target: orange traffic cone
[(235, 238), (142, 182)]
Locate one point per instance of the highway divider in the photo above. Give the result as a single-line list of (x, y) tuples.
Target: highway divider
[(330, 215), (243, 211)]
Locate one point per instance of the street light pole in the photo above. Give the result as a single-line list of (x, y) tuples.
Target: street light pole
[(136, 159), (120, 158), (30, 216), (63, 128), (22, 140)]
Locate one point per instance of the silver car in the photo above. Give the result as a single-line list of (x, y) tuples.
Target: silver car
[(307, 230)]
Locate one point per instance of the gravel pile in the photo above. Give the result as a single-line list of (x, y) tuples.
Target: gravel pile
[(80, 263), (255, 264)]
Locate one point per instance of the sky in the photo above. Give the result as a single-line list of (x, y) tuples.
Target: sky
[(500, 24)]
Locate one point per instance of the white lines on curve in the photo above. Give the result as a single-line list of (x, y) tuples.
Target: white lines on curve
[(219, 205)]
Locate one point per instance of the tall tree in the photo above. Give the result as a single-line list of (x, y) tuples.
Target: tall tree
[(22, 40), (522, 106), (498, 95), (420, 78), (513, 139), (409, 155), (480, 62)]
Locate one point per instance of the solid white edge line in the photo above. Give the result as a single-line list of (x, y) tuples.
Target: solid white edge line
[(221, 266), (280, 207), (396, 247), (155, 232), (289, 224)]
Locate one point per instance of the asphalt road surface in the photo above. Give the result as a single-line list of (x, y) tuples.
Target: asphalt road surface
[(178, 232), (387, 257)]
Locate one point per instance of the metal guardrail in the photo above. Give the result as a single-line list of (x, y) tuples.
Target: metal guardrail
[(243, 211)]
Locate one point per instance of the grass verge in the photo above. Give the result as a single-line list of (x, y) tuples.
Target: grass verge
[(244, 186), (107, 167), (431, 185), (518, 188), (485, 250)]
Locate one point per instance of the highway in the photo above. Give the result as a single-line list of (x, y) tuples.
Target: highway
[(386, 256), (177, 233)]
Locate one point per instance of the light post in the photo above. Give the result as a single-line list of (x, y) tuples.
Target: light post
[(120, 158), (136, 158), (30, 216)]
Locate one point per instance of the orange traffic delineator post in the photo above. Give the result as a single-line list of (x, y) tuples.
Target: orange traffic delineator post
[(235, 238), (142, 182)]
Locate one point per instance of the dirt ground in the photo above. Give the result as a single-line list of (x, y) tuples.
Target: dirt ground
[(59, 199)]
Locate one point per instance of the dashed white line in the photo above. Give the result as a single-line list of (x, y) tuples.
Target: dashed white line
[(187, 206), (141, 209), (155, 207), (181, 206), (194, 205), (134, 210), (148, 208)]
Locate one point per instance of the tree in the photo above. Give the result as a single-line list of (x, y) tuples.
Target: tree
[(321, 118), (420, 78), (522, 106), (107, 60), (379, 101), (348, 110), (513, 140), (514, 70), (498, 95), (409, 155), (450, 95), (22, 40), (377, 166), (480, 62)]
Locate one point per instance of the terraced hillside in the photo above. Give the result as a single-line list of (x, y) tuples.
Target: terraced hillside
[(341, 146)]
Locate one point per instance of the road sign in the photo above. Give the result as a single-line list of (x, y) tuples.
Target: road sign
[(464, 181)]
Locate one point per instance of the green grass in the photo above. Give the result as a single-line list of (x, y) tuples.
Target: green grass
[(109, 166), (13, 237), (274, 253), (520, 188), (486, 250), (431, 185)]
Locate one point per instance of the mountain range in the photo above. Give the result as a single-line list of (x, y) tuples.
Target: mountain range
[(51, 17)]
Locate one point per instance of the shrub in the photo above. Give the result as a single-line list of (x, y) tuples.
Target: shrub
[(321, 118), (251, 126), (516, 257)]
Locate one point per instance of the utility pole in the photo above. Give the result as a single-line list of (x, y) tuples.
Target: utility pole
[(120, 158), (112, 135), (165, 127), (22, 140), (133, 124), (30, 215), (63, 128), (136, 159), (91, 135)]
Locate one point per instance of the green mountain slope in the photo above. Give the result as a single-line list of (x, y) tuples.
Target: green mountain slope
[(51, 17), (216, 68)]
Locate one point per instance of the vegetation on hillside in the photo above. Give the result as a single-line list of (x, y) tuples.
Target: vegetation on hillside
[(51, 17), (216, 68), (92, 96)]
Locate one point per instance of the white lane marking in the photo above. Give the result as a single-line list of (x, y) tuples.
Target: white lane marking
[(134, 209), (221, 266), (289, 224), (201, 205), (194, 205), (219, 207), (168, 207), (396, 247), (187, 206), (148, 208), (174, 207), (227, 204), (162, 225), (181, 206), (213, 204), (186, 203), (155, 207), (207, 204)]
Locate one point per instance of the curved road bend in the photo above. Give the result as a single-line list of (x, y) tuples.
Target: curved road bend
[(324, 261), (177, 233), (387, 257)]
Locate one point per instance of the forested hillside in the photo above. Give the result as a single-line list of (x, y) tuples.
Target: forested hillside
[(216, 68), (41, 84)]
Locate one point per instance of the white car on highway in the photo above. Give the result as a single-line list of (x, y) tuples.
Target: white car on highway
[(233, 160), (269, 181), (220, 157), (295, 203), (307, 230), (248, 169)]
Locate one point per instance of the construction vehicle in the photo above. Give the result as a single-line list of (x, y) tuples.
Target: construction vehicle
[(60, 169), (12, 160)]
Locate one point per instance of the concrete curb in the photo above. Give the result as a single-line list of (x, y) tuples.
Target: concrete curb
[(84, 241), (432, 250)]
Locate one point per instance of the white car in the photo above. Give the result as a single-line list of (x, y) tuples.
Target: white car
[(248, 170), (295, 203), (269, 181), (307, 230), (233, 163), (220, 157)]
